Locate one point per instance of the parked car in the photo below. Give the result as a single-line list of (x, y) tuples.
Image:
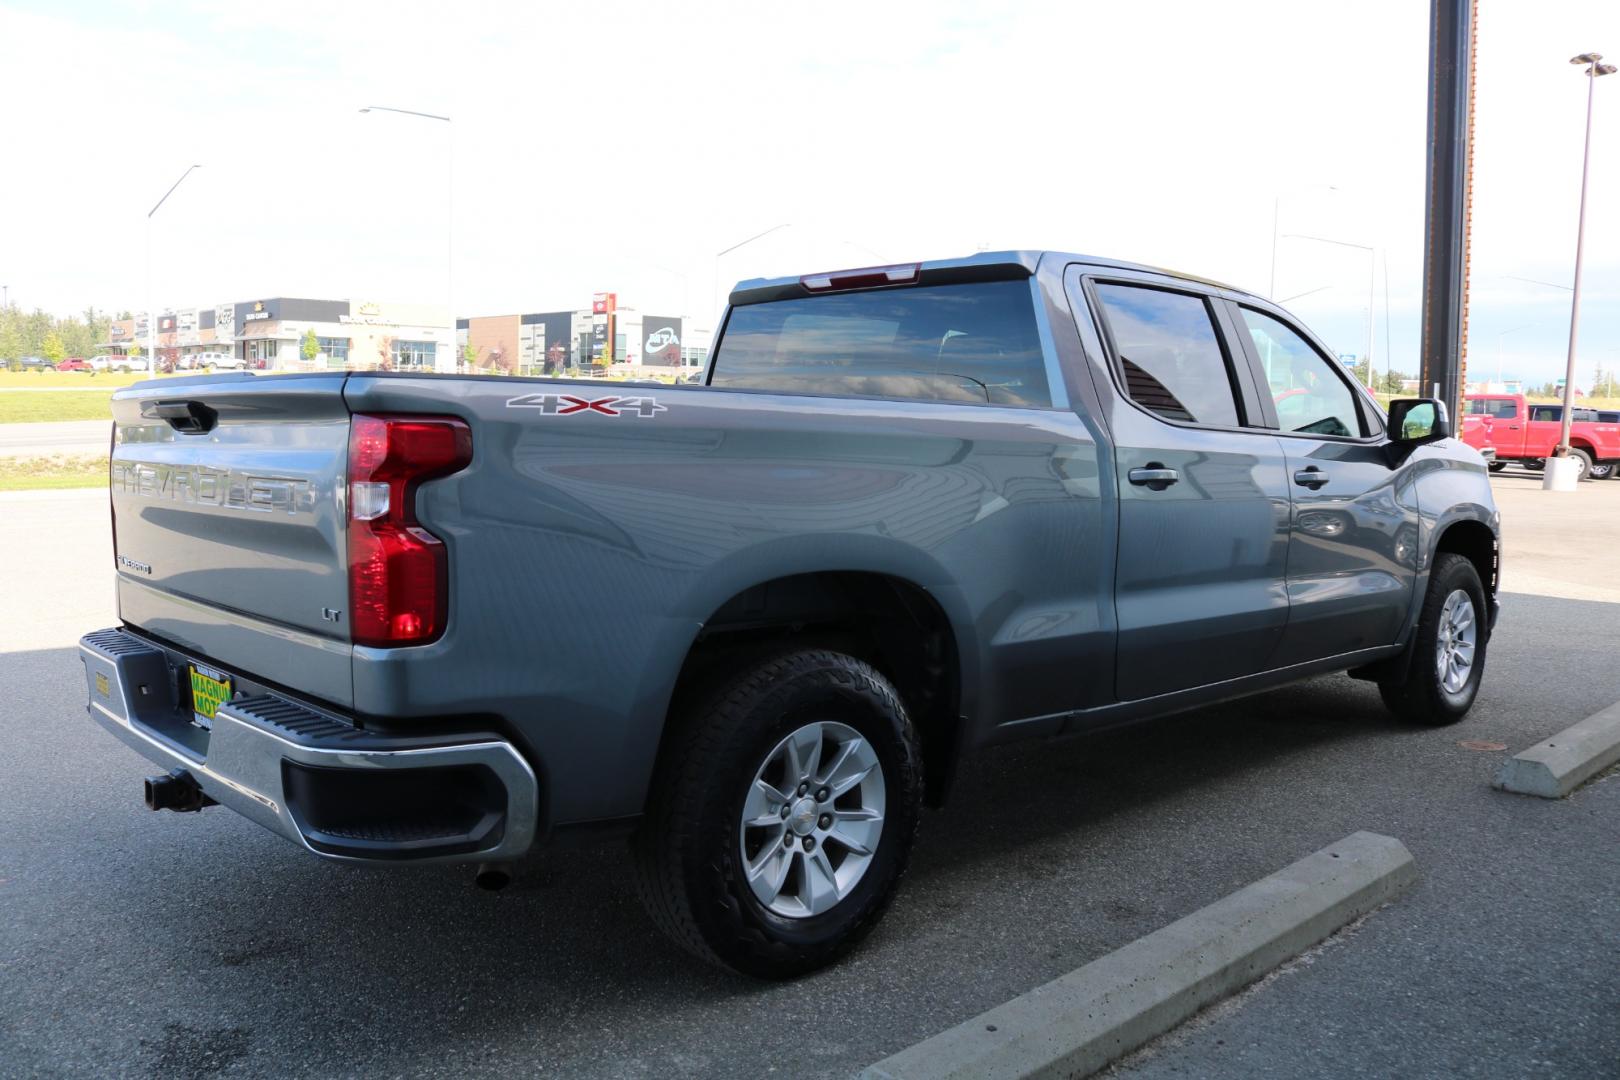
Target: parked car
[(74, 363), (120, 363), (756, 623), (1520, 431), (35, 363), (219, 360)]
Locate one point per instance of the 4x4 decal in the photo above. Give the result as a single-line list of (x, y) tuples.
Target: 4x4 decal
[(569, 405)]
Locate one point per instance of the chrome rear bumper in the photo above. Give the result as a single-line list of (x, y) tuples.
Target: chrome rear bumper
[(294, 769)]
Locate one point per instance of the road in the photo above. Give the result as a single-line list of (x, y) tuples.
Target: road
[(193, 945), (55, 437)]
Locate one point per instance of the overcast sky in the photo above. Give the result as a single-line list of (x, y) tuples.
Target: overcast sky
[(618, 146)]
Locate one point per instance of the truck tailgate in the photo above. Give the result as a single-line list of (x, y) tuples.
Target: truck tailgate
[(228, 520)]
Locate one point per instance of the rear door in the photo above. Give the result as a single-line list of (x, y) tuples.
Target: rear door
[(1200, 591), (228, 522), (1353, 537)]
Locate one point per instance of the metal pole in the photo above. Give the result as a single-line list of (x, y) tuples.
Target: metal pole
[(151, 313), (1451, 33), (449, 217), (1575, 299), (1372, 280), (715, 298), (450, 242), (151, 316), (1276, 205), (1389, 363)]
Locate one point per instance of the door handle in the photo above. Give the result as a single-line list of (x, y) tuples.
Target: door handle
[(1311, 477), (1155, 477), (1513, 427)]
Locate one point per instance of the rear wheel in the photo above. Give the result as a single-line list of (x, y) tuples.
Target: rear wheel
[(1448, 649), (1583, 463), (783, 815), (1603, 470)]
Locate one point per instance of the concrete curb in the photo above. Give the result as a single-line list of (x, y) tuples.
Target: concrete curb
[(1081, 1021), (1556, 767)]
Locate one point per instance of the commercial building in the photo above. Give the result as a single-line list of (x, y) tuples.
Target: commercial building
[(602, 336), (269, 334)]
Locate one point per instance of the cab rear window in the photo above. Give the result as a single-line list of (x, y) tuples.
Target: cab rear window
[(969, 343)]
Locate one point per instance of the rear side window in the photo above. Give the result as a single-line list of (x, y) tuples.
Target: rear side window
[(1546, 412), (1169, 357), (974, 342), (1309, 394)]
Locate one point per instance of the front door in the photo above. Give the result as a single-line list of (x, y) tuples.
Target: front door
[(1353, 538), (1200, 591)]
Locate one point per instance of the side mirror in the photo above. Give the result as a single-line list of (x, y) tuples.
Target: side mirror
[(1418, 420)]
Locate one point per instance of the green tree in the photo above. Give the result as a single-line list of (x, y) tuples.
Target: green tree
[(52, 348), (469, 355), (309, 348), (11, 336)]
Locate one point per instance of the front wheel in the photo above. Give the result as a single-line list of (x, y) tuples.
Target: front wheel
[(1448, 649), (783, 815), (1497, 466)]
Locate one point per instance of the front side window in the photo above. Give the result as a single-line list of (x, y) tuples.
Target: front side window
[(1170, 359), (973, 342), (1499, 408), (1310, 396)]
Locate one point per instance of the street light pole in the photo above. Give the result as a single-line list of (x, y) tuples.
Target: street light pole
[(1276, 211), (1594, 70), (449, 215), (1500, 334), (715, 296), (1372, 278), (151, 312)]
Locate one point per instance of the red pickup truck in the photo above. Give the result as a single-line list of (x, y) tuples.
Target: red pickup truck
[(1520, 431)]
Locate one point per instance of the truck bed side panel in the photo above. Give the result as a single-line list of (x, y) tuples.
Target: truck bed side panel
[(588, 548)]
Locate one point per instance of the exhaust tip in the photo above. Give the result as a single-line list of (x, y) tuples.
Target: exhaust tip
[(492, 877)]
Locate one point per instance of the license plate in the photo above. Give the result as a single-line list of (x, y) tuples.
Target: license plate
[(209, 690)]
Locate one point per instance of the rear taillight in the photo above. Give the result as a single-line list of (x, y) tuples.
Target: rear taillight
[(398, 573)]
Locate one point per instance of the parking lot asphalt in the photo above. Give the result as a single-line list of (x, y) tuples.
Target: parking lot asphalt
[(195, 945)]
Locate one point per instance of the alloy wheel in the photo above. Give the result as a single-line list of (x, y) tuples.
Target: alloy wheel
[(812, 819), (1459, 632)]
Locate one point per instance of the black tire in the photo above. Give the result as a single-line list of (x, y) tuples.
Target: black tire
[(686, 852), (1583, 462), (1420, 698), (1535, 464), (1613, 472), (1497, 466)]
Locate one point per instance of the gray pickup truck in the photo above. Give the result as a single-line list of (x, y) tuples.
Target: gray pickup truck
[(757, 623)]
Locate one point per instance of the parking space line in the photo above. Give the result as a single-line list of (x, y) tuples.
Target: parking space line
[(1081, 1021), (1557, 766)]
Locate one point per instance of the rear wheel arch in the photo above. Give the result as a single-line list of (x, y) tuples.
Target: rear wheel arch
[(890, 622)]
